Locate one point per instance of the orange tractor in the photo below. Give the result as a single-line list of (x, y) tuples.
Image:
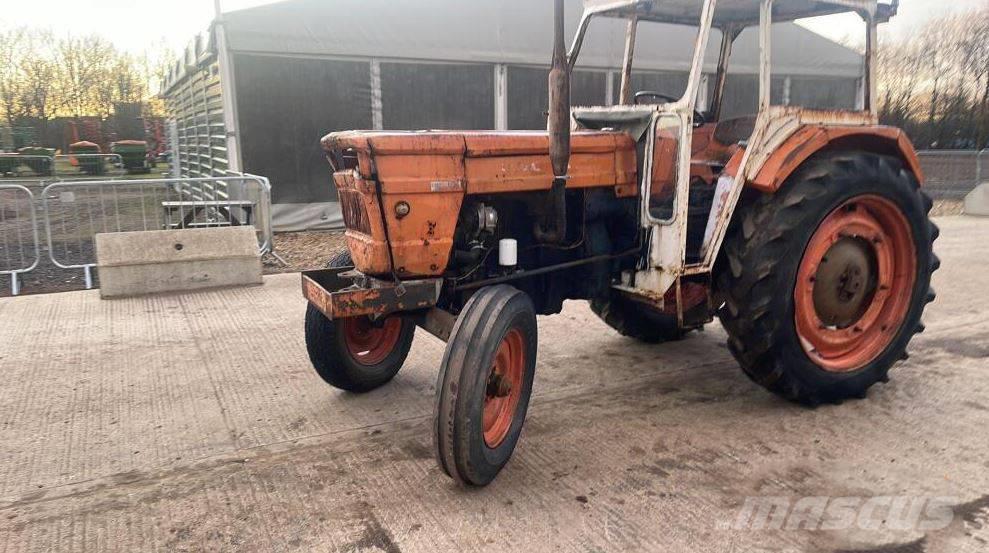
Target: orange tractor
[(804, 231)]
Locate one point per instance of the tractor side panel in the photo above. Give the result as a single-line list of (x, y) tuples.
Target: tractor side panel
[(432, 186), (810, 139), (432, 172), (518, 162), (530, 173)]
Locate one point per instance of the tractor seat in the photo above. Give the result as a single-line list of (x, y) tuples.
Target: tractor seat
[(733, 131)]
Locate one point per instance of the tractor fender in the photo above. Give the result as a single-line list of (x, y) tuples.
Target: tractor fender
[(811, 139)]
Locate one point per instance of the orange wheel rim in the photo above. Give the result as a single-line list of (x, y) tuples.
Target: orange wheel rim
[(504, 388), (368, 343), (855, 283)]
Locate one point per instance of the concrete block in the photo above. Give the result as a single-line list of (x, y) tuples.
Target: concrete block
[(149, 262), (977, 201)]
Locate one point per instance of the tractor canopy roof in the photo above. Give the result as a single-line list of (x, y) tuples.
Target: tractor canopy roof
[(734, 12)]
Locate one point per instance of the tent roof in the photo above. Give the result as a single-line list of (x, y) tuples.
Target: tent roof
[(744, 12), (507, 31)]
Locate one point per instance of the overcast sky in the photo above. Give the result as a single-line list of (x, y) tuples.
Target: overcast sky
[(133, 25)]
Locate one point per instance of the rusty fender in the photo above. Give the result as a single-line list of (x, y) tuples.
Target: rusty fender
[(340, 293)]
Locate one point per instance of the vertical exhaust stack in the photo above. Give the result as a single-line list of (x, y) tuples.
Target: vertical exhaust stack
[(555, 229), (559, 100)]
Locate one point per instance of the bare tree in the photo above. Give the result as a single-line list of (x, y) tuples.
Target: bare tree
[(11, 85), (121, 83), (935, 82), (83, 62), (43, 77), (154, 65), (978, 67), (37, 72)]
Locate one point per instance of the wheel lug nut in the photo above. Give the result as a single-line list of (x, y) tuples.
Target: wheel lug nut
[(499, 386)]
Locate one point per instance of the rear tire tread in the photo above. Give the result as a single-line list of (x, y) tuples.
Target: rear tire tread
[(637, 321), (750, 263)]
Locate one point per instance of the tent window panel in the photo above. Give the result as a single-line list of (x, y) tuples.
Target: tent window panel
[(823, 93), (671, 84), (588, 88), (437, 96), (528, 96), (286, 105), (742, 95)]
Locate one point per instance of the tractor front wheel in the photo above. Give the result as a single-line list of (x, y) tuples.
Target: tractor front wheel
[(824, 282), (357, 354), (484, 384)]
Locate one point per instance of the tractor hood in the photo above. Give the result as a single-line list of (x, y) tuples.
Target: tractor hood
[(401, 192)]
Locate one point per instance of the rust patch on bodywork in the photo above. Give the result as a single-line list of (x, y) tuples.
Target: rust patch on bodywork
[(338, 295), (430, 173), (810, 139)]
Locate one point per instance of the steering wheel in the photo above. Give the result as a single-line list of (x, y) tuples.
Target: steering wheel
[(699, 118)]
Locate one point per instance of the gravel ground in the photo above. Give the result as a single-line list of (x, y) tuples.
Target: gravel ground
[(303, 250)]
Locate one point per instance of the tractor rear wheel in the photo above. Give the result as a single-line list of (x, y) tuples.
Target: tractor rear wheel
[(484, 384), (824, 282), (357, 354), (637, 320)]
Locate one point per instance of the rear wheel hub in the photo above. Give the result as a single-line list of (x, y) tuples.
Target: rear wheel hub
[(844, 282), (854, 283)]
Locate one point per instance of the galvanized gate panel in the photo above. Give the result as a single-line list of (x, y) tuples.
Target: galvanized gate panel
[(196, 105), (19, 247)]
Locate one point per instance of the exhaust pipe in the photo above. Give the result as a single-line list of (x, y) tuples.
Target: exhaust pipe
[(559, 100), (554, 228)]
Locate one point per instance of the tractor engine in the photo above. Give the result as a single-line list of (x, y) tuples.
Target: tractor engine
[(452, 204), (598, 226)]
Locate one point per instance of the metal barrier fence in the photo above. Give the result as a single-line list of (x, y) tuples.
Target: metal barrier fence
[(83, 166), (38, 171), (75, 211), (26, 166), (952, 174), (20, 251)]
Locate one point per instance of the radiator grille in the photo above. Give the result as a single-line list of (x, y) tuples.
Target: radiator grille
[(354, 212)]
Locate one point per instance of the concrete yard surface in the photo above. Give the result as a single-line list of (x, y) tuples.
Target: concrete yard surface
[(195, 422)]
